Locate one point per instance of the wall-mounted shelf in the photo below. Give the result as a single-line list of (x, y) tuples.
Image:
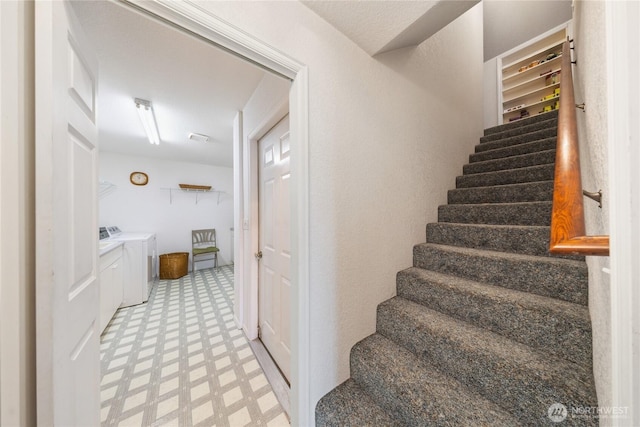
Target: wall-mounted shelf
[(199, 194), (530, 73), (105, 187)]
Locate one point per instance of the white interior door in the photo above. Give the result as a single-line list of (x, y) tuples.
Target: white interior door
[(275, 244), (68, 369)]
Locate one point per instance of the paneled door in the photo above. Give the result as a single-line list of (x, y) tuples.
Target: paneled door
[(275, 245), (67, 294)]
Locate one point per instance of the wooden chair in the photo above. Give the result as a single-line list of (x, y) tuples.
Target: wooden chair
[(203, 247)]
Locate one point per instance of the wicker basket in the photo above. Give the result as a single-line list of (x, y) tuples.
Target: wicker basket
[(174, 266)]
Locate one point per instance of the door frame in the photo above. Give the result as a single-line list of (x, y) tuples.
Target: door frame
[(254, 157), (200, 23), (623, 134), (252, 237)]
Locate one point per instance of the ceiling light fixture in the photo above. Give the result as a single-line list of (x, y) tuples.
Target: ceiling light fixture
[(145, 111), (199, 137)]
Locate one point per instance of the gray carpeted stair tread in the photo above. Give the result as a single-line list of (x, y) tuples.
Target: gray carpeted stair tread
[(492, 142), (512, 375), (349, 406), (524, 192), (514, 141), (552, 115), (511, 176), (514, 150), (552, 326), (513, 162), (556, 278), (414, 392), (520, 239), (522, 213)]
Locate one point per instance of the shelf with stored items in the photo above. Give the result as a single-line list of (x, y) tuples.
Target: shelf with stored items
[(532, 96), (538, 59), (540, 107), (533, 74), (199, 193), (529, 76), (551, 81)]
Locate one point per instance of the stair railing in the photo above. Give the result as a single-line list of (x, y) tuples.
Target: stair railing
[(568, 235)]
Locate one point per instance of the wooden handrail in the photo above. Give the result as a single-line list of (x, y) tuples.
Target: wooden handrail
[(567, 215)]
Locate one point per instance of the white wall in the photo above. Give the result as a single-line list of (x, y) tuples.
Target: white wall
[(387, 136), (147, 208), (590, 87), (17, 216)]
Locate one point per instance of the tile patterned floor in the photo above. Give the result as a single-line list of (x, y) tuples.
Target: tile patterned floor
[(179, 360)]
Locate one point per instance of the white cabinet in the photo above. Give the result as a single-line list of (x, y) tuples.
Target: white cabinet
[(111, 285), (529, 76)]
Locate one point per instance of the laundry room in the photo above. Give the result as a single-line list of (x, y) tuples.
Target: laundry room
[(168, 117), (159, 205)]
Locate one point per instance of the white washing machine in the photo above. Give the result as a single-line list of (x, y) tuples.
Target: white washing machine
[(140, 264)]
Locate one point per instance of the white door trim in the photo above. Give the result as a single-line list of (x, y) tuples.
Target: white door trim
[(238, 240), (203, 24), (274, 267), (251, 305), (623, 89), (17, 216)]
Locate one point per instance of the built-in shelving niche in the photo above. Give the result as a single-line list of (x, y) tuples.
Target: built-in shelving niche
[(529, 76)]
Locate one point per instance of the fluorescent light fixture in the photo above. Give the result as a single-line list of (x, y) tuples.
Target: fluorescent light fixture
[(199, 137), (145, 111)]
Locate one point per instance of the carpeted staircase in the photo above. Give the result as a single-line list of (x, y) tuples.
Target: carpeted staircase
[(487, 329)]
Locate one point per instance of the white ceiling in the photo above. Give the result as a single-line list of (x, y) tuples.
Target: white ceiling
[(193, 86), (381, 26)]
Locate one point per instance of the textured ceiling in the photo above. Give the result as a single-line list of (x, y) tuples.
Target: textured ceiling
[(194, 87), (380, 26)]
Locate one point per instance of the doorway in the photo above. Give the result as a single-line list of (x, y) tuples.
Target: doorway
[(268, 58)]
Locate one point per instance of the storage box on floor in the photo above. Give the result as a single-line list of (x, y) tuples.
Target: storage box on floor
[(174, 265)]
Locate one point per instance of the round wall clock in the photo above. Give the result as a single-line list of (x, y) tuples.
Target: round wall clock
[(139, 178)]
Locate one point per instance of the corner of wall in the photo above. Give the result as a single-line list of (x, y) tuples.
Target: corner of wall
[(589, 78), (490, 110)]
